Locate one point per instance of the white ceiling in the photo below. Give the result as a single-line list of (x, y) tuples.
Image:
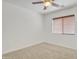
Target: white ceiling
[(39, 7)]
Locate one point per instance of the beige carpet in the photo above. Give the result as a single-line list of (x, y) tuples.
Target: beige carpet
[(42, 51)]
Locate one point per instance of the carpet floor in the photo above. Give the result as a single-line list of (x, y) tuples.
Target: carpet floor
[(42, 51)]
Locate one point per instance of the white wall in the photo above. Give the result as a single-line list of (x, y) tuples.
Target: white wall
[(21, 27), (63, 40)]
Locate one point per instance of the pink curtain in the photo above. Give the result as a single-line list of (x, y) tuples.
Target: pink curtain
[(64, 25)]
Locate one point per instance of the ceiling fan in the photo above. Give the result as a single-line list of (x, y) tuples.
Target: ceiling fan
[(47, 3)]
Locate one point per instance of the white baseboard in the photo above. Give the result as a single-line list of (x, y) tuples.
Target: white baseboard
[(30, 44)]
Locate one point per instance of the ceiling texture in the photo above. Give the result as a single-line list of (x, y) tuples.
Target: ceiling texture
[(39, 7)]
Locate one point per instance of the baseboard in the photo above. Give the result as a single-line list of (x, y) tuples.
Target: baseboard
[(35, 43), (62, 45)]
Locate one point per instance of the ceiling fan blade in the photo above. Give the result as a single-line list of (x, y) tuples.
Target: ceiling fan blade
[(45, 7), (57, 5), (37, 2)]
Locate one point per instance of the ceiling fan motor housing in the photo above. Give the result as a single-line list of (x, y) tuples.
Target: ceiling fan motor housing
[(48, 0)]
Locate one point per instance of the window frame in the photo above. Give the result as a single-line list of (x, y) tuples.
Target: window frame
[(55, 18)]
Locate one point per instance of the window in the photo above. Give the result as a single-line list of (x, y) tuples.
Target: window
[(64, 25)]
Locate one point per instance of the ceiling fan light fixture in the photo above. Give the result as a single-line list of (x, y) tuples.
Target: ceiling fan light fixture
[(47, 4)]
